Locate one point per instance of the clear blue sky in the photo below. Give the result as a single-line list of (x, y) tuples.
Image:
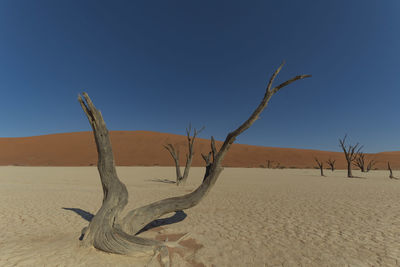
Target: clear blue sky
[(156, 65)]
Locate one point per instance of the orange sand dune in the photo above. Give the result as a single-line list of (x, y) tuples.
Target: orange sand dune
[(144, 148)]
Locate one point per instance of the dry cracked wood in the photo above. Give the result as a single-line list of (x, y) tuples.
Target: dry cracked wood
[(110, 233)]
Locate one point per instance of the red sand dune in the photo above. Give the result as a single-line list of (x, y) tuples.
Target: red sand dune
[(144, 148)]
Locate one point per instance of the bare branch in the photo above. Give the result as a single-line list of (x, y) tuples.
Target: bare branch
[(207, 158), (331, 163), (213, 149), (371, 165), (299, 77), (231, 137), (110, 233), (320, 165), (350, 153)]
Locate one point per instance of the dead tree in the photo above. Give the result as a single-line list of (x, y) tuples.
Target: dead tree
[(391, 176), (371, 165), (350, 152), (181, 179), (331, 164), (359, 161), (107, 231), (269, 162), (320, 165)]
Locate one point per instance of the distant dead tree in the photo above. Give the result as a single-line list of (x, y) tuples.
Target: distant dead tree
[(181, 179), (269, 163), (359, 161), (108, 231), (320, 165), (350, 152), (331, 164), (371, 165), (391, 176)]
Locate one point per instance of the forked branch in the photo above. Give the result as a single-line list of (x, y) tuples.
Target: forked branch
[(359, 161), (331, 164), (370, 165), (350, 153), (107, 231), (138, 218), (181, 179), (320, 166)]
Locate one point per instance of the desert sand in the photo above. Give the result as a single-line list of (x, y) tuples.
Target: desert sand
[(252, 217), (145, 148)]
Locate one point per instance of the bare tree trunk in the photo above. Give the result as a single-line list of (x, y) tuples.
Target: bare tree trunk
[(350, 153), (359, 161), (331, 164), (370, 165), (391, 176), (189, 156), (320, 165), (175, 155), (102, 232), (181, 179), (269, 162), (110, 233), (349, 173)]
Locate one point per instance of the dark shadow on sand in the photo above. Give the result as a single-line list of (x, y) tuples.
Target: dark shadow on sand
[(177, 217), (84, 214), (357, 177), (159, 180)]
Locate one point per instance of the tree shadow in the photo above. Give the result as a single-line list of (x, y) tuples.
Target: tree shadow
[(356, 177), (179, 216), (84, 214), (159, 180)]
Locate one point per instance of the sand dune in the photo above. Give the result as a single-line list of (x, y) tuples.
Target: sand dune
[(143, 148), (252, 217)]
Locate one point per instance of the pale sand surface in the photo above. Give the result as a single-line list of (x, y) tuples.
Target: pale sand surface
[(252, 217)]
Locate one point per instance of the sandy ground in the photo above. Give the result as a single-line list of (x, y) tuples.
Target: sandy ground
[(252, 217)]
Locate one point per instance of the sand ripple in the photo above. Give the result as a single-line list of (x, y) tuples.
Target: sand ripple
[(253, 217)]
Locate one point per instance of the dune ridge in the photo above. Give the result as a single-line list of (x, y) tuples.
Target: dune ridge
[(145, 148)]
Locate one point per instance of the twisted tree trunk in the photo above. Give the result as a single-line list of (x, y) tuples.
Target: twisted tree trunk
[(103, 232), (110, 233)]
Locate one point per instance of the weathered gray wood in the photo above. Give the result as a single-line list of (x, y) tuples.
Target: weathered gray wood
[(175, 155), (350, 153), (110, 233), (181, 179), (135, 220), (102, 232)]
